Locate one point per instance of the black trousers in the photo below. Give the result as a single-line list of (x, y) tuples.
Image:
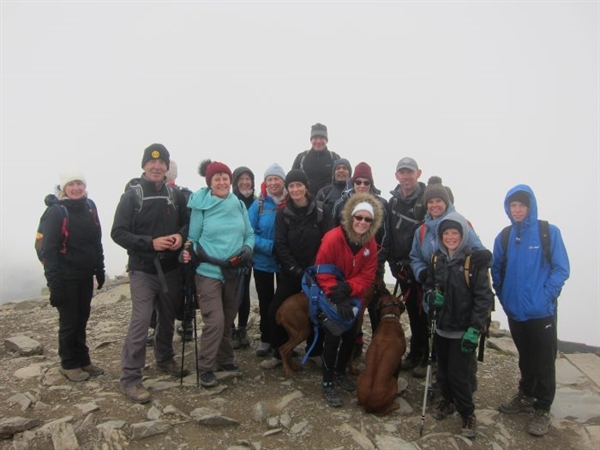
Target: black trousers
[(417, 318), (74, 312), (536, 342), (337, 351), (455, 374), (244, 309), (265, 290)]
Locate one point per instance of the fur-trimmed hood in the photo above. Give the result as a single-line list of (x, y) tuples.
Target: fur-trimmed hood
[(347, 217)]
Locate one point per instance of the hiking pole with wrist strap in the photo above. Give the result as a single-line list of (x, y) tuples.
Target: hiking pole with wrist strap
[(428, 381), (189, 297)]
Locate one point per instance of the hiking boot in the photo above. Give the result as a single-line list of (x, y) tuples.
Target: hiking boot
[(469, 427), (235, 339), (419, 371), (330, 396), (316, 361), (75, 375), (444, 409), (344, 381), (263, 350), (519, 403), (137, 393), (244, 339), (540, 423), (171, 368), (93, 370), (208, 379), (228, 368), (270, 363), (409, 362), (357, 351), (150, 338)]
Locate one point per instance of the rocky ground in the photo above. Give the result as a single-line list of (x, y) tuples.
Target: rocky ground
[(260, 409)]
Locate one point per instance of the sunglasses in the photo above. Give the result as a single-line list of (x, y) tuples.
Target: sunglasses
[(360, 218), (359, 182)]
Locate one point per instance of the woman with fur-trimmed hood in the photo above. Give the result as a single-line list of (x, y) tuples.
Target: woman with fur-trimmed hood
[(352, 248)]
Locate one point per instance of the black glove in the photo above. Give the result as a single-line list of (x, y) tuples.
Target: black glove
[(482, 258), (345, 311), (340, 293), (57, 296), (422, 278), (297, 271), (395, 267), (246, 253), (100, 278)]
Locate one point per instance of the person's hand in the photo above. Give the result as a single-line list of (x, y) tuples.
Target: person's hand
[(164, 243), (422, 277), (340, 292), (345, 310), (469, 340), (297, 271), (57, 296), (482, 258), (436, 299), (100, 278), (395, 267), (246, 253)]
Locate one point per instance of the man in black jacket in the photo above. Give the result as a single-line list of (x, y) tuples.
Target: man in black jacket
[(151, 222)]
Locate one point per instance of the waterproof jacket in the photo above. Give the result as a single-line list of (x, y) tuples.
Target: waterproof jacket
[(404, 217), (262, 219), (317, 165), (530, 285), (84, 256), (220, 226), (359, 267), (421, 252), (298, 234), (465, 305), (134, 230)]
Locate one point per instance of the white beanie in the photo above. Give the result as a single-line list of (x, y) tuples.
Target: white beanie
[(364, 206), (275, 169), (69, 174), (171, 174)]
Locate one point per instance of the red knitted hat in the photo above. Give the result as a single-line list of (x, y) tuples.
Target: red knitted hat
[(362, 170), (210, 168)]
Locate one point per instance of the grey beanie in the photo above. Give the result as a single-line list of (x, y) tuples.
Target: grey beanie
[(343, 161), (318, 129), (436, 190), (275, 169)]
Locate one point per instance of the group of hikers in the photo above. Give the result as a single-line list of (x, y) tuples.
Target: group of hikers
[(322, 212)]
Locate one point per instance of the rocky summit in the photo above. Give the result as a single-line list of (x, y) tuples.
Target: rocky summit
[(255, 408)]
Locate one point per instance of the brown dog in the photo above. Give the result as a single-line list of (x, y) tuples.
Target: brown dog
[(293, 315), (377, 386)]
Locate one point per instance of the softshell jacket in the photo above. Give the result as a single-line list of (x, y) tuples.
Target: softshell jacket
[(84, 255), (220, 226), (359, 268), (317, 165), (262, 219), (421, 252), (298, 234), (530, 285), (466, 305), (159, 216)]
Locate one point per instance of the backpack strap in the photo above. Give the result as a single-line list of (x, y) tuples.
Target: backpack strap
[(422, 230), (544, 227)]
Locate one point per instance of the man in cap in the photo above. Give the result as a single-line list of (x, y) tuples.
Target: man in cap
[(152, 229), (317, 162)]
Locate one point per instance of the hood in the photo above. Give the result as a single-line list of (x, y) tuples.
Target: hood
[(347, 217), (237, 173), (456, 217), (532, 215), (203, 199)]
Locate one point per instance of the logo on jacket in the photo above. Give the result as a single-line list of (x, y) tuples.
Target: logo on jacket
[(367, 252)]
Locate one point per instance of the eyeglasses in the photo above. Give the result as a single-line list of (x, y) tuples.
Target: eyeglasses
[(361, 218), (359, 182)]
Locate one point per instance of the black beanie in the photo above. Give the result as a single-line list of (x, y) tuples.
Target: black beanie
[(296, 175), (156, 151), (450, 224), (519, 196)]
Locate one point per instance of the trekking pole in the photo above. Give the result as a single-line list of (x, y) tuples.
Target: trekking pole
[(188, 304), (428, 381)]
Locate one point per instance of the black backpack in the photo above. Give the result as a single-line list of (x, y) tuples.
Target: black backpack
[(544, 229)]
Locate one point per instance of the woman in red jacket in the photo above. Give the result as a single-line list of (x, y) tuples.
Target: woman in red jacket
[(352, 248)]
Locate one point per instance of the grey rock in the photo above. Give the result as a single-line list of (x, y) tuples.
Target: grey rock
[(299, 427), (143, 430), (362, 440), (286, 420), (259, 412), (503, 344), (389, 442), (24, 345), (154, 413), (286, 400), (273, 422), (23, 400), (13, 425), (87, 408), (63, 436), (272, 432)]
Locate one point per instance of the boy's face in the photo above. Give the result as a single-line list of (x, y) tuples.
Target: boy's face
[(518, 211), (451, 239)]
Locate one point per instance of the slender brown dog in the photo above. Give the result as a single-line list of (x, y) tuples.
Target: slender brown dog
[(293, 315), (377, 386)]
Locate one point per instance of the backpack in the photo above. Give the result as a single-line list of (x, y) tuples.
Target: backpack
[(52, 202), (139, 191), (466, 268), (334, 157), (544, 229)]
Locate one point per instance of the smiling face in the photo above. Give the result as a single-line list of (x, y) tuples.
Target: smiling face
[(318, 143), (244, 182), (408, 180), (361, 222), (436, 207), (342, 173), (274, 185), (362, 185), (75, 190), (451, 239), (518, 211), (220, 184), (297, 193), (155, 170)]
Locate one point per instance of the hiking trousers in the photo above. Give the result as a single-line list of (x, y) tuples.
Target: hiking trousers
[(417, 318), (218, 302), (536, 341), (244, 303), (73, 315), (146, 296), (337, 351), (265, 290)]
